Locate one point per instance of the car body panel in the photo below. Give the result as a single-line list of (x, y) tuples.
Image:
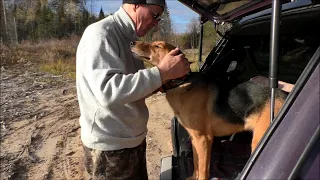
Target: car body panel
[(309, 168)]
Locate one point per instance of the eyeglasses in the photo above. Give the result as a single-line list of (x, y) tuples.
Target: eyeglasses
[(156, 16)]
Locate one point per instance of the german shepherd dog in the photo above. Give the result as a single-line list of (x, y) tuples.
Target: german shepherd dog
[(207, 110)]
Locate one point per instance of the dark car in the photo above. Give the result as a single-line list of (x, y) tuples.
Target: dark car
[(290, 147)]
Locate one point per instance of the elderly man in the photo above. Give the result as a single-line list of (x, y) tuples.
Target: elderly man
[(112, 86)]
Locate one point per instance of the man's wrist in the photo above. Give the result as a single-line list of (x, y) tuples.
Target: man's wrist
[(163, 76)]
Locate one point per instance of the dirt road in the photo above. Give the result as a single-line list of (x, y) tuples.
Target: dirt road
[(39, 127)]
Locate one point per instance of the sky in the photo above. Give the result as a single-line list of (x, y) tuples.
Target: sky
[(180, 14)]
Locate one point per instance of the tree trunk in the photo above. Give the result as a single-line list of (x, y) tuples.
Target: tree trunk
[(15, 31), (4, 17)]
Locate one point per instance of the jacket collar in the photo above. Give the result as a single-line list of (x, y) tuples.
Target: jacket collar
[(126, 25)]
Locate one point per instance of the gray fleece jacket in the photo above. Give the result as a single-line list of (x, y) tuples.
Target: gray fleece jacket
[(112, 85)]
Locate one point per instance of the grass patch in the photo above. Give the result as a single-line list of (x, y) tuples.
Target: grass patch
[(60, 67), (54, 56), (58, 56), (193, 58)]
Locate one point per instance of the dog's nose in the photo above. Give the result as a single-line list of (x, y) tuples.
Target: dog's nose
[(132, 43)]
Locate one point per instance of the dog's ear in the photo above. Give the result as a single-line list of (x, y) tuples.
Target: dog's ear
[(171, 47)]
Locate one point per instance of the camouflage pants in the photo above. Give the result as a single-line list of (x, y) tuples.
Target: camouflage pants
[(129, 163)]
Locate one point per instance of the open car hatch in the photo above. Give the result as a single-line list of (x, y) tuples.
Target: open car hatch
[(227, 10)]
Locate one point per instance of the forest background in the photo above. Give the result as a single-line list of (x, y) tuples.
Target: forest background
[(31, 28), (39, 113)]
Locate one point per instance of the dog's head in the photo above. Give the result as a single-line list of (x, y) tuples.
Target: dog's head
[(153, 52)]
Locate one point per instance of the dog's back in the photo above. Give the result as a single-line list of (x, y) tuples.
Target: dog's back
[(235, 104), (238, 103)]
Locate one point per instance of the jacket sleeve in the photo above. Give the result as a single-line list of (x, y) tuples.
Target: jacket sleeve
[(104, 72)]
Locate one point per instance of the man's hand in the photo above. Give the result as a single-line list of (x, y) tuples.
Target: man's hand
[(284, 86), (174, 65)]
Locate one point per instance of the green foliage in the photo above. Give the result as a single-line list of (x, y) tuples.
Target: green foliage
[(85, 20), (210, 36), (45, 27), (164, 26), (164, 29), (54, 56), (41, 19), (60, 67), (101, 14), (191, 39)]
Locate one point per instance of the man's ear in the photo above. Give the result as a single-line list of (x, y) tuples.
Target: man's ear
[(135, 7)]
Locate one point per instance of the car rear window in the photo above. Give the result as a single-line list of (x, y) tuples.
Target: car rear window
[(295, 53)]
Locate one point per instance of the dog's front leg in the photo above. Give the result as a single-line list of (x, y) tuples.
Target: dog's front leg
[(201, 146)]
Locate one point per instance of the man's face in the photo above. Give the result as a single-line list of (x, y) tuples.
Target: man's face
[(148, 16)]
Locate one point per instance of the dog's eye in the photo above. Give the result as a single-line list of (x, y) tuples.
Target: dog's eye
[(157, 46)]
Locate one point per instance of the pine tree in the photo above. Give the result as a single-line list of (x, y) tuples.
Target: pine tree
[(165, 27), (101, 14), (45, 23)]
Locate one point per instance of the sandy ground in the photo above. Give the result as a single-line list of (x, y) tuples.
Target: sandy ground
[(39, 127)]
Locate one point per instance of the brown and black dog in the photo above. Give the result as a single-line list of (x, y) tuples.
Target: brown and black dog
[(207, 110)]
